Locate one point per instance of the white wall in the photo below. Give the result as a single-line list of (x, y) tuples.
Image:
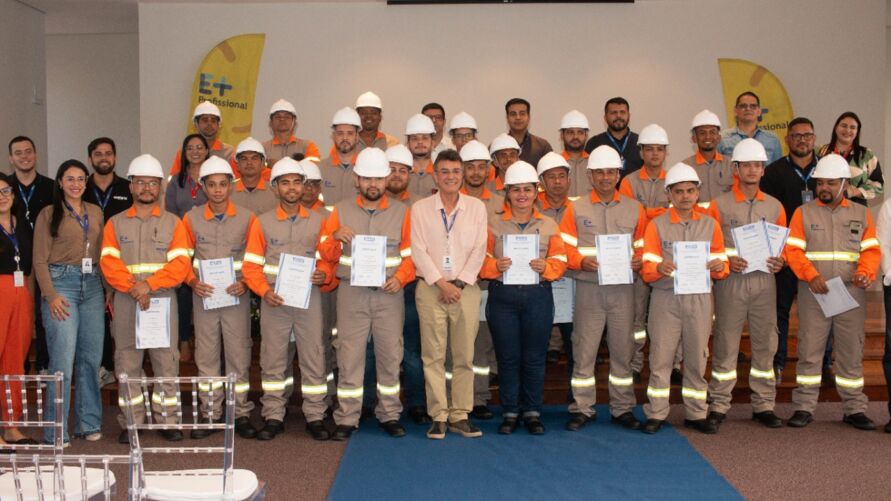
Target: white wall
[(661, 55), (92, 91), (22, 78)]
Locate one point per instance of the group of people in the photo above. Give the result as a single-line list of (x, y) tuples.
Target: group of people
[(454, 303)]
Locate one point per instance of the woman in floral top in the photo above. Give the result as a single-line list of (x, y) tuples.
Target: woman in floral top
[(866, 172)]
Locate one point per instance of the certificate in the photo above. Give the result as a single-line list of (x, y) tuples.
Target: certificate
[(838, 300), (776, 236), (614, 259), (369, 254), (753, 245), (153, 324), (520, 249), (293, 283), (220, 274), (692, 273), (564, 300)]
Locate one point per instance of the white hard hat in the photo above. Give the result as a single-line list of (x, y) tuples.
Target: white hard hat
[(419, 124), (282, 105), (214, 165), (679, 173), (346, 116), (832, 166), (145, 165), (653, 134), (311, 170), (400, 154), (551, 160), (520, 173), (705, 117), (206, 108), (372, 162), (250, 144), (503, 141), (604, 157), (285, 166), (369, 100), (749, 150), (574, 119), (474, 150), (462, 120)]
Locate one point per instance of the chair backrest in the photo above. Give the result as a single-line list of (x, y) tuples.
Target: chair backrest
[(30, 391), (167, 393), (49, 477)]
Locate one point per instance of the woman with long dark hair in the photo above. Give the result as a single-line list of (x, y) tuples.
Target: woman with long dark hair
[(866, 172), (67, 241)]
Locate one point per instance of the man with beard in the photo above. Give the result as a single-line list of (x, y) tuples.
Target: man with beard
[(715, 170), (283, 124), (475, 158), (401, 162), (532, 147), (208, 119), (369, 107), (419, 131), (617, 116), (337, 169), (574, 134)]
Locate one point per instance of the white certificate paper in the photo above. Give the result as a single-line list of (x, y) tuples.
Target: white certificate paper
[(564, 300), (153, 324), (520, 249), (752, 244), (777, 236), (838, 300), (692, 273), (293, 283), (614, 259), (220, 274), (369, 254)]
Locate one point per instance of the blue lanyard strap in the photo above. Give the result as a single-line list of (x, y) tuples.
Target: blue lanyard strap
[(84, 221), (103, 202), (13, 239), (448, 226), (620, 149), (27, 198), (798, 171)]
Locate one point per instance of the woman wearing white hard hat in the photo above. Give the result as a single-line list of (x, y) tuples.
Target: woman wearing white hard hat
[(521, 312)]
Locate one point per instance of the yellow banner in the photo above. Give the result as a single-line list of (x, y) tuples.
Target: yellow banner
[(738, 76), (228, 78)]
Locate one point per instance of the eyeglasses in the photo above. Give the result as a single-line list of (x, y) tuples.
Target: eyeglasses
[(6, 192), (466, 136), (72, 179), (807, 136), (744, 106), (150, 184)]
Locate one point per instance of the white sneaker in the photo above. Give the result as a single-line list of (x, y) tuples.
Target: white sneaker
[(106, 377), (93, 437)]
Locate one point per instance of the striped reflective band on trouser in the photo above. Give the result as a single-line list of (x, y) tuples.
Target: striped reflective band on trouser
[(481, 371), (349, 392), (277, 384), (208, 387), (620, 381), (724, 376), (658, 392), (388, 390), (583, 382), (314, 389), (848, 383), (640, 335), (165, 401), (694, 393), (804, 380), (137, 400), (242, 387), (756, 373), (848, 257)]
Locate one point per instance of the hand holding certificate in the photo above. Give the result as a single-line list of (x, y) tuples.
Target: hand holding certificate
[(369, 255), (752, 244), (692, 275), (521, 249), (293, 283), (838, 300), (153, 324), (776, 236), (219, 274), (614, 259)]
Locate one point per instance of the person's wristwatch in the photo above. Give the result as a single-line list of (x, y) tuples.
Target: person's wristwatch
[(459, 283)]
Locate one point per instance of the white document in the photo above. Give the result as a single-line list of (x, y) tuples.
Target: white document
[(777, 236), (293, 283), (219, 274), (614, 259), (369, 254), (564, 300), (484, 300), (153, 324), (838, 300), (520, 249), (692, 273), (753, 245)]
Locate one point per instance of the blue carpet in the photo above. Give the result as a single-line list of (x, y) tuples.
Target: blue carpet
[(603, 461)]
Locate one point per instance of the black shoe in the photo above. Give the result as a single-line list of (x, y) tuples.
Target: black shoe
[(393, 428), (342, 433), (701, 425), (508, 426), (124, 437), (171, 435), (627, 420), (716, 418), (888, 427), (652, 426), (244, 428), (577, 421), (635, 376), (860, 421), (676, 377), (437, 430), (199, 433), (481, 412), (800, 419), (768, 419), (534, 425), (270, 429), (317, 430), (419, 415)]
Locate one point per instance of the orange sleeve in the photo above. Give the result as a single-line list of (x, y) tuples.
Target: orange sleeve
[(113, 268), (330, 249), (234, 164), (492, 173), (328, 267), (406, 271), (555, 262), (652, 254), (625, 189), (175, 166), (716, 251), (654, 212), (870, 252), (570, 235), (179, 262), (639, 231), (312, 152), (187, 223), (490, 268), (795, 247), (254, 259), (710, 210)]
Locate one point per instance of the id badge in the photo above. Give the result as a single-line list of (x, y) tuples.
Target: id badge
[(18, 278), (448, 264), (86, 265), (807, 196)]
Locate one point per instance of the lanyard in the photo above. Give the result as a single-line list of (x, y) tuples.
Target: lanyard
[(620, 149), (448, 226), (27, 198), (84, 222), (804, 179), (103, 202), (193, 188), (14, 240)]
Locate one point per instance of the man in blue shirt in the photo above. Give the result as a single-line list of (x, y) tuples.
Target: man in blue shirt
[(748, 112)]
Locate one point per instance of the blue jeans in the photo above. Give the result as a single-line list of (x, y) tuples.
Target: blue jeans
[(75, 345), (520, 318), (787, 289)]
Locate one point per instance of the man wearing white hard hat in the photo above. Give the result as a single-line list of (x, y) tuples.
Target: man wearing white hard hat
[(436, 113), (476, 160), (748, 294), (337, 168), (207, 120), (290, 229), (462, 130), (714, 169), (369, 107), (618, 135), (363, 308), (519, 114), (419, 131), (602, 305), (401, 162), (574, 135), (140, 272), (831, 240), (283, 124), (252, 190), (747, 112), (505, 152), (222, 318), (678, 318)]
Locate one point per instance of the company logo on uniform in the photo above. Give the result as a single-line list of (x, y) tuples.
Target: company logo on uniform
[(815, 226), (666, 245), (587, 223), (329, 184), (124, 239), (275, 242)]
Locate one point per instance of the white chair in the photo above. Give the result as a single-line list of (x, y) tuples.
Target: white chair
[(225, 483)]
